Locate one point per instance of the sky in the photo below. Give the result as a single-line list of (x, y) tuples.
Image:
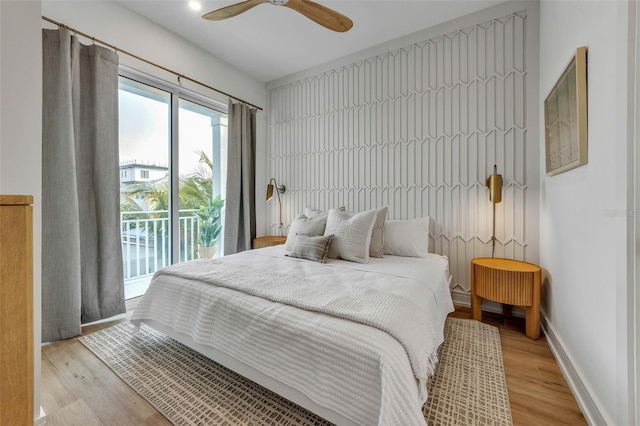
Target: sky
[(145, 131)]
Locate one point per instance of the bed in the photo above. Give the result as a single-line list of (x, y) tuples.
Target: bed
[(351, 342)]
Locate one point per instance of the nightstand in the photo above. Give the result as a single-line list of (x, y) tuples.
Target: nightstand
[(261, 242), (510, 282)]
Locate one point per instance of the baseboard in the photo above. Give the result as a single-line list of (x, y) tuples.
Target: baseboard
[(587, 404), (41, 419), (461, 298), (589, 407)]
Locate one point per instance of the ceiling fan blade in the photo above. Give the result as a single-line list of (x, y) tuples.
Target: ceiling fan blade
[(233, 10), (322, 15)]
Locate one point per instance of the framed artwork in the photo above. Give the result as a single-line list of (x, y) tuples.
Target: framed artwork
[(565, 118)]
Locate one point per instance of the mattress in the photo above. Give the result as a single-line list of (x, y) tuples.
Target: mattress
[(345, 368)]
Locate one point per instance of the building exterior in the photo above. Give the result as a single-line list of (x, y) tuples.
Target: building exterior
[(134, 171)]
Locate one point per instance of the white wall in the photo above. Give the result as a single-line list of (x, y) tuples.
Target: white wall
[(583, 212), (418, 128), (118, 26), (582, 232), (20, 130), (21, 93)]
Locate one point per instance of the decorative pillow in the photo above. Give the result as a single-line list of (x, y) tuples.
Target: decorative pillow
[(311, 248), (377, 234), (311, 226), (351, 234), (409, 238)]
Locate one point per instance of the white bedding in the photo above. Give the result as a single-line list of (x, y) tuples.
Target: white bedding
[(358, 371)]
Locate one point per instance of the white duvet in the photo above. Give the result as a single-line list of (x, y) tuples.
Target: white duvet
[(357, 339)]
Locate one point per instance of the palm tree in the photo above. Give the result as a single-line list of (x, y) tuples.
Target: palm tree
[(196, 188), (195, 193), (155, 193)]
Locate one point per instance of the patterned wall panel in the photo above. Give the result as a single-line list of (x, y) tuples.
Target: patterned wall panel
[(418, 129)]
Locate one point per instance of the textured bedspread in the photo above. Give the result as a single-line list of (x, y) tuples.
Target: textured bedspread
[(361, 343)]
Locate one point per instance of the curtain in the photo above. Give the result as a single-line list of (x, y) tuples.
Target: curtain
[(82, 279), (240, 209)]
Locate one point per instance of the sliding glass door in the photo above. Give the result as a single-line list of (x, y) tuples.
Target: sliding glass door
[(202, 135), (145, 190), (172, 175)]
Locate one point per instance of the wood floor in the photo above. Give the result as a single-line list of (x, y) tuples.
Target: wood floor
[(78, 389), (538, 391)]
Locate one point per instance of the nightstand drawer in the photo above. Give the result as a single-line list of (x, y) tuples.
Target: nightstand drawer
[(513, 288)]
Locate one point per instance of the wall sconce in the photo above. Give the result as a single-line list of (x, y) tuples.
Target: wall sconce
[(494, 183), (280, 189)]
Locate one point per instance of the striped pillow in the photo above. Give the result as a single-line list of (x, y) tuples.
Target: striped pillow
[(311, 248)]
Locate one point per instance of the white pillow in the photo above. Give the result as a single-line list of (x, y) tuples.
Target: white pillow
[(351, 234), (310, 226), (409, 238), (377, 234)]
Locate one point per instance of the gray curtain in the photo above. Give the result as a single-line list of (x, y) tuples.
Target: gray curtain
[(240, 209), (82, 278)]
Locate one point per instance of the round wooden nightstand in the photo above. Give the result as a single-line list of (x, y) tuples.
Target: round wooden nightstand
[(507, 281)]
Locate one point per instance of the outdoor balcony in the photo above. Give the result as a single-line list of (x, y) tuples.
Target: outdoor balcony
[(146, 245)]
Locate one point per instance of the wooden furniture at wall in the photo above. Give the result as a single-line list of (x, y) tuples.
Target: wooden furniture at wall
[(16, 310), (510, 282), (261, 242)]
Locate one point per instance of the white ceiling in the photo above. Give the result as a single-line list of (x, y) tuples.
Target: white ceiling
[(269, 42)]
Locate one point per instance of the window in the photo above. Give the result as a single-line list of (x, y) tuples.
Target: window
[(176, 143)]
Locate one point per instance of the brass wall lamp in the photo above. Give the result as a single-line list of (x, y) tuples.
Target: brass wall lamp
[(494, 183), (279, 189)]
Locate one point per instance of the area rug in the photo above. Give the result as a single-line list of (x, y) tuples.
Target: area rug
[(468, 387)]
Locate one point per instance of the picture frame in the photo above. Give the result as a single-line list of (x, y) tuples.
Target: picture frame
[(565, 118)]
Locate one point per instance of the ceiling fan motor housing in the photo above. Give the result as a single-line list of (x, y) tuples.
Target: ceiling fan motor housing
[(279, 2)]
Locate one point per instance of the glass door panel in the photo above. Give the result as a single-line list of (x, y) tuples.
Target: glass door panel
[(144, 182), (202, 163)]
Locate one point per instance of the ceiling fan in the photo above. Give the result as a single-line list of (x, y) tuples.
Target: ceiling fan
[(322, 15)]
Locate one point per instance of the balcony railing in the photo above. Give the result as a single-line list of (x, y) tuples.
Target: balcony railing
[(146, 241)]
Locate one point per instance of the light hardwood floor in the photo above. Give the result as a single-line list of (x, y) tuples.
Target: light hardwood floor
[(78, 389), (538, 391)]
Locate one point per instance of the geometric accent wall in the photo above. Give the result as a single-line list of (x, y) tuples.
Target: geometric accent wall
[(417, 129)]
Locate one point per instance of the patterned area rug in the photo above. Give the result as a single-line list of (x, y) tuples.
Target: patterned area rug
[(468, 387)]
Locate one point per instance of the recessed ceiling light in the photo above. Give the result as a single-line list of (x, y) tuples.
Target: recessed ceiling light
[(195, 5)]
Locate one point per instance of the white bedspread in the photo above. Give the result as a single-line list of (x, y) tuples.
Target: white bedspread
[(358, 339)]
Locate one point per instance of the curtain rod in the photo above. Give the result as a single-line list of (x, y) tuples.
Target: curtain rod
[(133, 55)]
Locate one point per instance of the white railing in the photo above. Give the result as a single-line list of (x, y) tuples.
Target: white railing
[(146, 241)]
